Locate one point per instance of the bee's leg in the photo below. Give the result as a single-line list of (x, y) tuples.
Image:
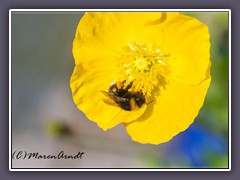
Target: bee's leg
[(149, 102), (129, 85)]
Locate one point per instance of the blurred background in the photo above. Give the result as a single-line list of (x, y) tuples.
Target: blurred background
[(46, 120)]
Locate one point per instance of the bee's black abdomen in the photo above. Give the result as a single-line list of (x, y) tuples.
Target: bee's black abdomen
[(126, 106), (139, 98), (140, 101)]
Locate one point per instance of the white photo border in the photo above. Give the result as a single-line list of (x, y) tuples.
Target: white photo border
[(120, 169)]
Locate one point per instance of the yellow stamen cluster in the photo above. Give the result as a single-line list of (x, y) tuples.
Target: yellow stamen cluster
[(145, 65)]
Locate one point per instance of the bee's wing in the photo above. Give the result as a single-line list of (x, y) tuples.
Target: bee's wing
[(109, 100), (108, 95), (115, 98)]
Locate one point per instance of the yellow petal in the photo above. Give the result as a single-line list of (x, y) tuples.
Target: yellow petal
[(110, 32), (87, 84), (99, 31), (186, 42), (171, 113)]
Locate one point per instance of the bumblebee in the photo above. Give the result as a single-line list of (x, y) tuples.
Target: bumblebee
[(122, 97)]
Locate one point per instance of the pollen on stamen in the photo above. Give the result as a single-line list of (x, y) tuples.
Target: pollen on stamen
[(144, 65)]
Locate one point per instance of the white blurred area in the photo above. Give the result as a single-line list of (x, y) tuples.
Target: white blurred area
[(42, 64)]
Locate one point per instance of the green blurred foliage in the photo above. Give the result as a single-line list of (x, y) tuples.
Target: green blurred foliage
[(216, 161), (56, 128)]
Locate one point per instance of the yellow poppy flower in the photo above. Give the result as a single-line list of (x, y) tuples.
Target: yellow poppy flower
[(148, 70)]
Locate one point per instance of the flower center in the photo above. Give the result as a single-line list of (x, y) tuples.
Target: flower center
[(145, 65), (141, 64)]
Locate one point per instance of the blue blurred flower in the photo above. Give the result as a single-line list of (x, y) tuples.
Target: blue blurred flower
[(197, 147)]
